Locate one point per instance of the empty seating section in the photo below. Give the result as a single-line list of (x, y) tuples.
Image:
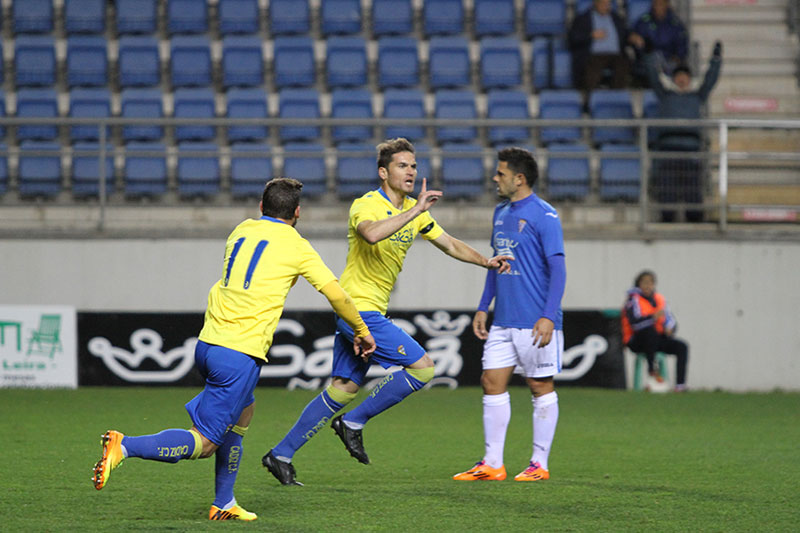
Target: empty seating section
[(194, 103), (242, 62), (85, 16), (501, 63), (249, 104), (451, 104), (568, 175), (565, 105), (299, 104), (145, 170), (87, 61), (346, 62), (139, 62), (293, 63), (86, 169), (34, 60), (91, 103), (190, 61), (306, 162), (545, 17), (619, 177), (32, 16), (404, 104), (392, 17), (39, 169), (136, 16), (198, 170), (187, 16), (142, 104), (355, 169), (340, 17), (398, 62), (508, 105), (238, 16), (355, 104), (462, 170), (289, 17), (442, 17), (449, 63), (37, 104), (251, 167), (611, 104), (494, 17)]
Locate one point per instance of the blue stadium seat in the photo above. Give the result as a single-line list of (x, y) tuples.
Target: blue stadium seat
[(609, 104), (442, 17), (35, 61), (136, 16), (85, 16), (299, 103), (142, 103), (635, 9), (89, 103), (346, 61), (238, 16), (404, 104), (568, 171), (448, 62), (508, 105), (194, 103), (560, 105), (398, 62), (463, 175), (3, 168), (494, 17), (289, 17), (145, 170), (247, 103), (455, 104), (501, 63), (187, 16), (546, 17), (86, 169), (306, 162), (32, 16), (2, 114), (620, 178), (2, 66), (342, 17), (558, 59), (422, 154), (37, 103), (198, 170), (356, 172), (40, 174), (251, 168), (293, 63), (242, 62), (87, 61), (190, 61), (139, 63), (392, 17), (650, 109), (349, 103)]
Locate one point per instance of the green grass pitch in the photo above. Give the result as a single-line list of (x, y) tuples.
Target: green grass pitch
[(621, 461)]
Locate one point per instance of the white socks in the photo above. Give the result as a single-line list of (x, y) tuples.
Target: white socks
[(496, 414), (545, 419)]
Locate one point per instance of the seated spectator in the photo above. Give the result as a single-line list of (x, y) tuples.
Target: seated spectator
[(597, 40), (659, 31)]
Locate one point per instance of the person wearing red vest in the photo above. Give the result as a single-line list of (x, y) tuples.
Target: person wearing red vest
[(648, 326)]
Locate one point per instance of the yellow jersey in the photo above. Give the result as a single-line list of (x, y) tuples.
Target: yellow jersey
[(372, 269), (263, 258)]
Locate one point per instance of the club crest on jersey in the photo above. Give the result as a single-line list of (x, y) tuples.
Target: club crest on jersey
[(401, 349), (521, 225)]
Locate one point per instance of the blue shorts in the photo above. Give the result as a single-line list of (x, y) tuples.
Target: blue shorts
[(395, 347), (231, 378)]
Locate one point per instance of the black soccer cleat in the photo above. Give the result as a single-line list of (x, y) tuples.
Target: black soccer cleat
[(352, 439), (283, 472)]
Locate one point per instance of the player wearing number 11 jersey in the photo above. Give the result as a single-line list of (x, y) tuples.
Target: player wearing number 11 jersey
[(263, 259)]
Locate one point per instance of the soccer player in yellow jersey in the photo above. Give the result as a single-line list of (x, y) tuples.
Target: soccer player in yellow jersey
[(383, 224), (263, 258)]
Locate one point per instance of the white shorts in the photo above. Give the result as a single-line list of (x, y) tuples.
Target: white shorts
[(507, 347)]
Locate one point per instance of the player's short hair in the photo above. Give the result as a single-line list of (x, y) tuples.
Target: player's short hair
[(281, 197), (643, 274), (389, 147), (520, 161)]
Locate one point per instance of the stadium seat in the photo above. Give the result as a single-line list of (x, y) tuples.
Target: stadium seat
[(190, 61), (2, 66), (356, 104), (508, 105), (145, 104), (422, 154), (449, 62), (89, 103), (340, 17), (32, 16), (442, 17), (546, 17), (552, 64), (403, 104), (251, 168), (39, 173), (568, 171), (610, 104), (86, 169), (501, 63), (494, 17), (451, 105), (87, 61), (198, 170), (299, 103), (194, 103), (37, 103), (463, 175), (3, 168), (392, 17), (289, 17), (238, 16), (346, 62), (293, 63), (85, 16), (34, 60), (247, 103), (306, 162), (567, 105), (2, 114), (139, 63), (620, 178), (145, 170), (650, 109), (398, 62), (635, 9), (136, 16), (242, 62), (356, 173), (187, 16)]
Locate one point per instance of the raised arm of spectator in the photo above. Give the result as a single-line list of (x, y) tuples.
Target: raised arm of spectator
[(712, 74)]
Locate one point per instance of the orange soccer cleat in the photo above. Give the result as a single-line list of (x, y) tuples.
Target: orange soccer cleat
[(234, 513), (482, 472), (112, 458), (534, 472)]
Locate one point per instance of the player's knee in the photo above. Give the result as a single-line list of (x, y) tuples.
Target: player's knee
[(423, 375), (203, 448), (340, 396)]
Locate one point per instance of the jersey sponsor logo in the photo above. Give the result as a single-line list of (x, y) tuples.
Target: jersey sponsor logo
[(521, 225), (504, 245), (401, 349), (403, 236), (146, 344)]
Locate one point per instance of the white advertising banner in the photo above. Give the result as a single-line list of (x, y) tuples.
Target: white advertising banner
[(38, 346)]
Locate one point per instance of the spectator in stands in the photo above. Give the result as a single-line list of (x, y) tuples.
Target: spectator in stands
[(680, 179), (648, 327), (597, 40), (659, 31)]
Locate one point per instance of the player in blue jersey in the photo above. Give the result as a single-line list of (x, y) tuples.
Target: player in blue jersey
[(383, 225), (263, 259), (527, 330)]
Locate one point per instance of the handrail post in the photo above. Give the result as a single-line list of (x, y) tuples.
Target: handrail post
[(723, 176)]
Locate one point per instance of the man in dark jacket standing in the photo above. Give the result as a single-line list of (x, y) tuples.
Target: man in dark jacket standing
[(597, 40), (659, 31)]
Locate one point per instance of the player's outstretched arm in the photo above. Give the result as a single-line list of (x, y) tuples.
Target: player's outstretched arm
[(343, 305), (464, 252), (374, 231)]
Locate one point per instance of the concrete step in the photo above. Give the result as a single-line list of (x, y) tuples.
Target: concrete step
[(739, 14), (724, 5), (770, 50), (759, 67), (753, 194), (755, 85), (731, 32)]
